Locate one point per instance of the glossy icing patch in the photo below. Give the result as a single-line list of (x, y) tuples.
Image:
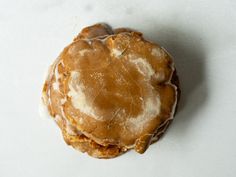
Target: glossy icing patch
[(43, 110), (157, 52), (78, 98), (116, 53), (151, 108), (143, 67)]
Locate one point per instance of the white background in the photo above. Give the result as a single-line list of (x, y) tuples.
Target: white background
[(201, 36)]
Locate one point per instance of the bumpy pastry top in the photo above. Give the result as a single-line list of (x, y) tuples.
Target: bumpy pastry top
[(115, 88)]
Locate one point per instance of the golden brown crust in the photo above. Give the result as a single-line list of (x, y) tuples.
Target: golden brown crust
[(102, 131), (84, 144), (94, 31)]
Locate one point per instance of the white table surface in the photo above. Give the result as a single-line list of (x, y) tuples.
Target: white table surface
[(201, 36)]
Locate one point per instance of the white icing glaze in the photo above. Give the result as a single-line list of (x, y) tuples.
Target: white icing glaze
[(58, 119), (78, 97), (116, 53), (57, 75), (46, 95), (151, 109), (73, 50), (159, 76), (43, 110), (55, 86), (143, 67), (70, 129), (152, 104), (63, 101), (48, 99), (156, 52), (62, 112), (82, 52), (102, 38), (146, 69)]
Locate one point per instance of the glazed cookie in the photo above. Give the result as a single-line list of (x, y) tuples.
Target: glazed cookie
[(111, 90)]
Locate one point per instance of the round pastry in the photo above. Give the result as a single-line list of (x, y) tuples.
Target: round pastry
[(111, 90)]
